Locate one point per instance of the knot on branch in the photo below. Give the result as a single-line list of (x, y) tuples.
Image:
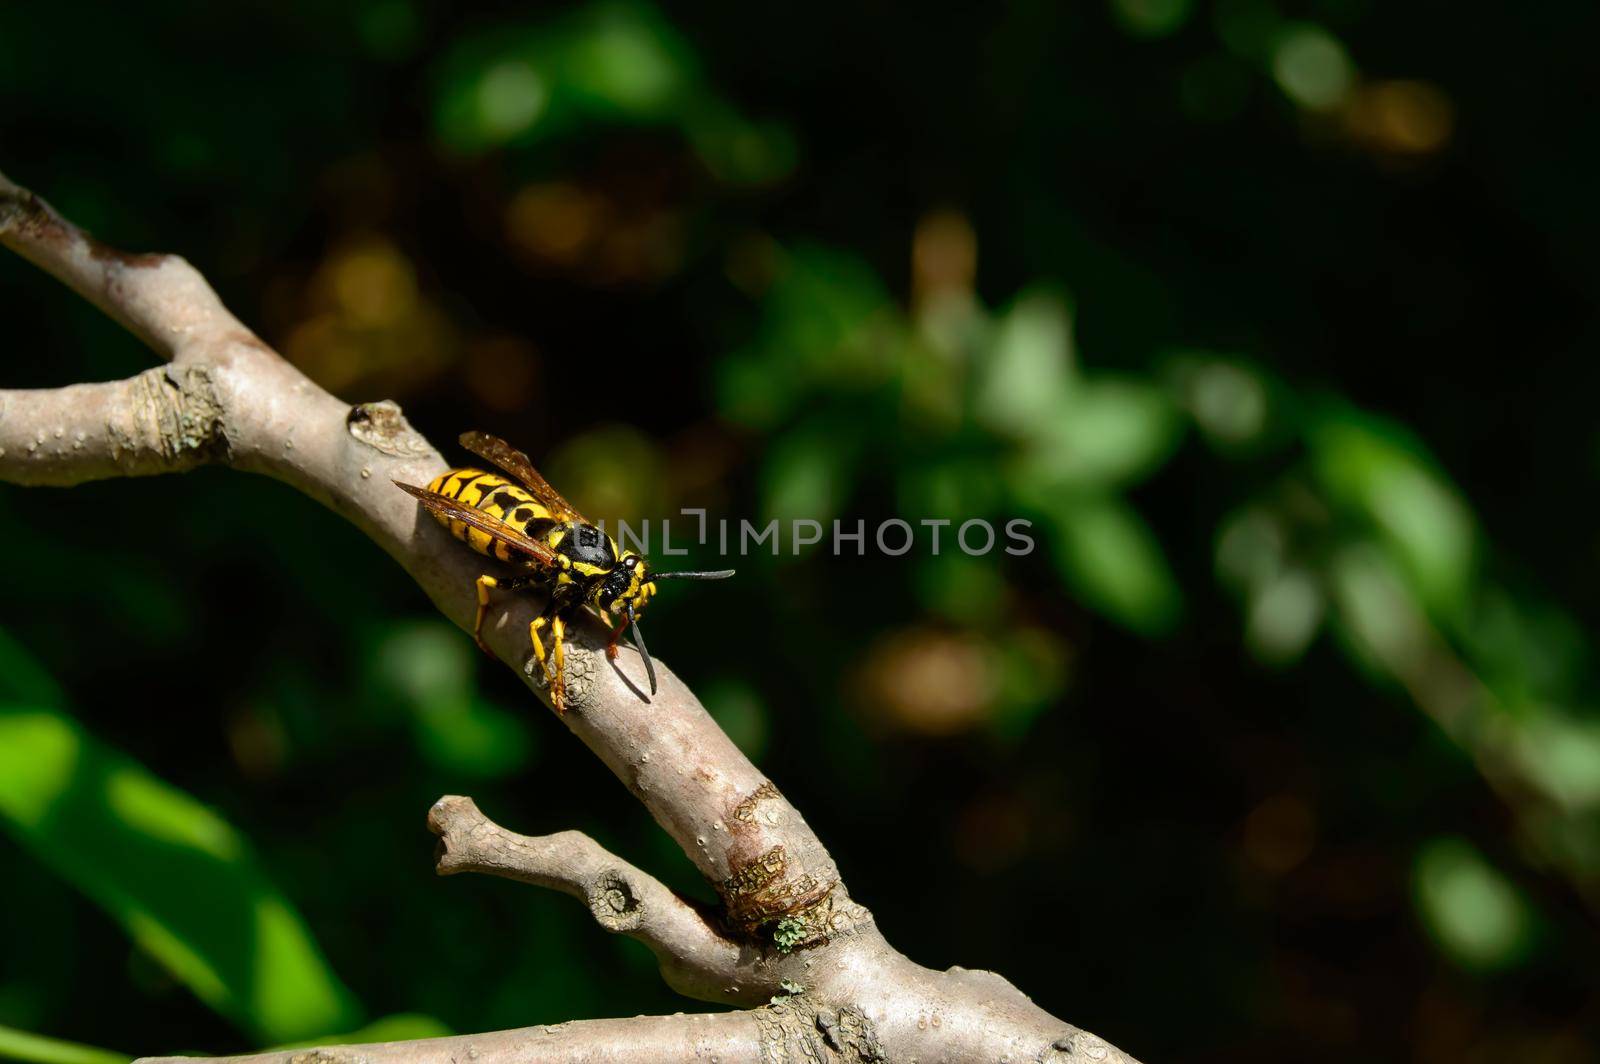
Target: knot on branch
[(763, 892), (774, 895), (383, 427), (175, 414), (794, 1028), (614, 904), (766, 890)]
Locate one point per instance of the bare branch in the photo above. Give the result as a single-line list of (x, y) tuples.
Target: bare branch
[(164, 420), (729, 1037), (159, 298), (787, 920), (696, 958)]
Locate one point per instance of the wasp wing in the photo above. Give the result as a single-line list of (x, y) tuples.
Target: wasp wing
[(493, 449), (454, 510)]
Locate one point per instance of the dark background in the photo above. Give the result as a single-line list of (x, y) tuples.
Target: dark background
[(1270, 317)]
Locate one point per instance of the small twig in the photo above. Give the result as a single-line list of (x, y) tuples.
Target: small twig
[(696, 958)]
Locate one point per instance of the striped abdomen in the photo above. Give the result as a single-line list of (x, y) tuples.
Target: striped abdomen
[(495, 496)]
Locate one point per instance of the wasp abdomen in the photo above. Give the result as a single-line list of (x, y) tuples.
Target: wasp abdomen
[(495, 496)]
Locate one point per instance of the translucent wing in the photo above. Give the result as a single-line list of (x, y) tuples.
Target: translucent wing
[(493, 449), (450, 508)]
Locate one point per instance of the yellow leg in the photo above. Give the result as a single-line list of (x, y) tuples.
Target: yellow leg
[(558, 685), (486, 583), (549, 661), (533, 637)]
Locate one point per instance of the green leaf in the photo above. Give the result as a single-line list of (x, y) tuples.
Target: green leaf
[(1382, 628), (627, 59), (1110, 559), (21, 1045), (1230, 401), (522, 83), (821, 310), (1475, 915), (179, 879), (827, 325), (1376, 469), (606, 63), (1561, 755), (1108, 432), (1026, 377), (1283, 616), (1252, 545)]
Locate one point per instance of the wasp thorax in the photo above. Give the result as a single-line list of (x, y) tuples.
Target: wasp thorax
[(588, 546)]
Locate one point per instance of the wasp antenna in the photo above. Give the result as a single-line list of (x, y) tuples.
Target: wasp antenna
[(706, 574), (638, 641)]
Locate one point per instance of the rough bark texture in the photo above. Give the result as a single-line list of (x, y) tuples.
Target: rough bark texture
[(788, 943)]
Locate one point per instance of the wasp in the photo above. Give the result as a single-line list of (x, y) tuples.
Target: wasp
[(554, 549)]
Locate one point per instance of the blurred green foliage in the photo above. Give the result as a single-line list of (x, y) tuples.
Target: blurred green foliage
[(614, 63), (1476, 915), (1267, 318), (20, 1045), (177, 877)]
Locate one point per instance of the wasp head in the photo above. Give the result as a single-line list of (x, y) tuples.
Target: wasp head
[(627, 588)]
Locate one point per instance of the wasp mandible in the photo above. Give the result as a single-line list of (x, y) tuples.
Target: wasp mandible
[(555, 549)]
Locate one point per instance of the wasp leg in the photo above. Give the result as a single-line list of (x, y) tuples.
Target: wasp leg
[(538, 644), (485, 584), (558, 651), (551, 661), (611, 644)]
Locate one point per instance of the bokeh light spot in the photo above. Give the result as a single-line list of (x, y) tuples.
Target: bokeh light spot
[(1474, 913), (1279, 834), (510, 98), (1312, 67), (1404, 118), (1152, 18)]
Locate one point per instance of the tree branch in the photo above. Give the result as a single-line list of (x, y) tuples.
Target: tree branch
[(164, 420), (696, 958), (787, 922), (729, 1037)]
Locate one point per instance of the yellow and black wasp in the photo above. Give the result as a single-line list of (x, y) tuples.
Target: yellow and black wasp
[(556, 550)]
